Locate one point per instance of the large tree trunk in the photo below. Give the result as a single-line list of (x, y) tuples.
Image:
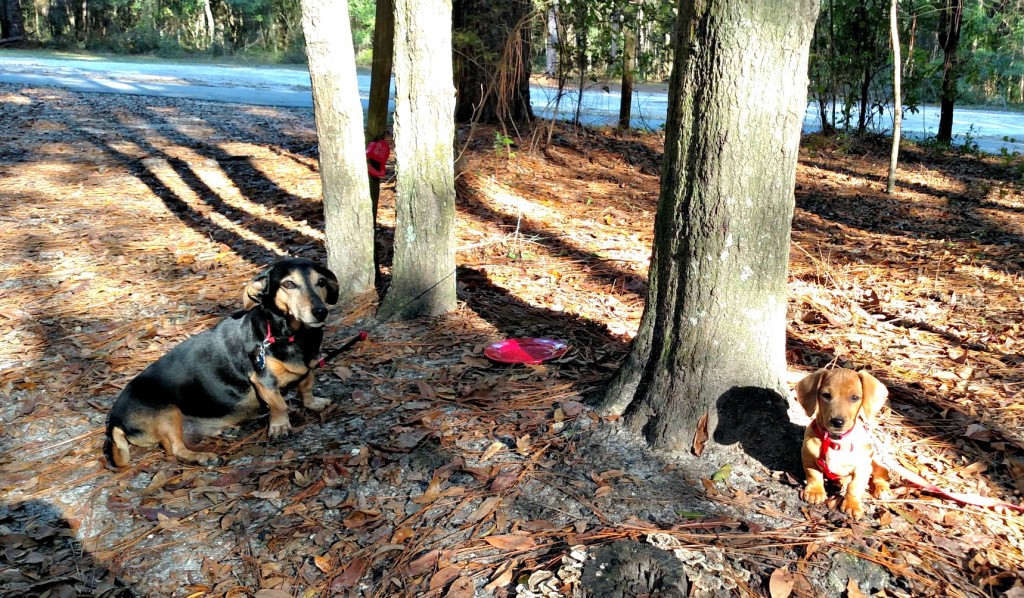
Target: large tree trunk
[(714, 327), (348, 216), (492, 61), (380, 97), (12, 25), (950, 18), (423, 269), (897, 101)]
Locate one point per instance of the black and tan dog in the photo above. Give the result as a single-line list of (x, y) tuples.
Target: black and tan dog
[(234, 371)]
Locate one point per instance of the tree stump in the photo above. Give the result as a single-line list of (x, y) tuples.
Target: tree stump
[(630, 570)]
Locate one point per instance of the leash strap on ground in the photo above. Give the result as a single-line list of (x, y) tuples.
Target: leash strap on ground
[(916, 480)]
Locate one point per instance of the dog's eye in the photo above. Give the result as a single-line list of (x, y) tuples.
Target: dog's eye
[(322, 282), (854, 399), (289, 285), (826, 396)]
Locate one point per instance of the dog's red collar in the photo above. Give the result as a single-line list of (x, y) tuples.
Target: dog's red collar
[(271, 339), (843, 443)]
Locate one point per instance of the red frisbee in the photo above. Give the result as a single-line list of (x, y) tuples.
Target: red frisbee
[(526, 350)]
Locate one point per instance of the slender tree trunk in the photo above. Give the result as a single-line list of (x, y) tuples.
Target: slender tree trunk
[(911, 39), (348, 215), (897, 101), (380, 95), (423, 270), (210, 24), (551, 47), (628, 66), (714, 326), (950, 19)]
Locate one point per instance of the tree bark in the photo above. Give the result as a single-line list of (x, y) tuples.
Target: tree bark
[(423, 269), (13, 25), (348, 217), (950, 19), (628, 67), (551, 47), (715, 321), (492, 61), (897, 102), (380, 97)]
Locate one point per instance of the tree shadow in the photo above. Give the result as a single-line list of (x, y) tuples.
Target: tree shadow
[(757, 420), (40, 556)]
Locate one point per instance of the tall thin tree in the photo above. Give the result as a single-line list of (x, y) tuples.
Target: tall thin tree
[(423, 269), (348, 214), (714, 327), (380, 96), (951, 17), (897, 100)]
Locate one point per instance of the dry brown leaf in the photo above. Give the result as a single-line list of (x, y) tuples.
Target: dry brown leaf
[(492, 450), (503, 576), (432, 492), (461, 588), (511, 542), (483, 510), (425, 562), (267, 593), (323, 563), (348, 578), (781, 583), (700, 435), (444, 577), (853, 590), (504, 481)]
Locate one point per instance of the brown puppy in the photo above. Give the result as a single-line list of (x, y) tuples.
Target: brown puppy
[(837, 443)]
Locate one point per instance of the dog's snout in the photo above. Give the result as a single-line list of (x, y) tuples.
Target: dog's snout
[(836, 423), (320, 313)]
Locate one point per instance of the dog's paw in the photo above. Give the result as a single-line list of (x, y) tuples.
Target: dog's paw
[(880, 489), (315, 403), (813, 494), (852, 507), (207, 459), (279, 428)]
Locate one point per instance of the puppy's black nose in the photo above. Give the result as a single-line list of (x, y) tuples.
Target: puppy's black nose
[(836, 422), (320, 313)]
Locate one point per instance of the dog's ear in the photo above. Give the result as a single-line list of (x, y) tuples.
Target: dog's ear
[(253, 293), (875, 394), (807, 391), (333, 288)]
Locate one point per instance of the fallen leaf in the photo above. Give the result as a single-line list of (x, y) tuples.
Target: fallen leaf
[(424, 563), (723, 473), (444, 577), (350, 576), (484, 509), (323, 563), (504, 481), (461, 588), (492, 450), (853, 590), (158, 481), (272, 594), (511, 542), (781, 583), (700, 435), (502, 577)]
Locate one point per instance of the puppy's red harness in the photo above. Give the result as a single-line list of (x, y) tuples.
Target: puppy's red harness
[(846, 442)]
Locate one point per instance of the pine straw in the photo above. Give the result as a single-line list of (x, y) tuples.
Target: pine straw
[(131, 225)]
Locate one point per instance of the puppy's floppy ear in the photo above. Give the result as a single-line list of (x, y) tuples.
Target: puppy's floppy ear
[(875, 394), (333, 288), (253, 293), (807, 391)]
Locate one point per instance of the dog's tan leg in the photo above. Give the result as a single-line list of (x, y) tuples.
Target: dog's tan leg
[(121, 451), (309, 400), (853, 502), (880, 481), (279, 424), (814, 491), (169, 430)]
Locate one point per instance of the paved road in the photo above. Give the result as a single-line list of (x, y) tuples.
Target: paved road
[(282, 86)]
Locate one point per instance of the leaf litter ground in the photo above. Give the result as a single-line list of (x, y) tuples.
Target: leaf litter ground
[(130, 223)]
